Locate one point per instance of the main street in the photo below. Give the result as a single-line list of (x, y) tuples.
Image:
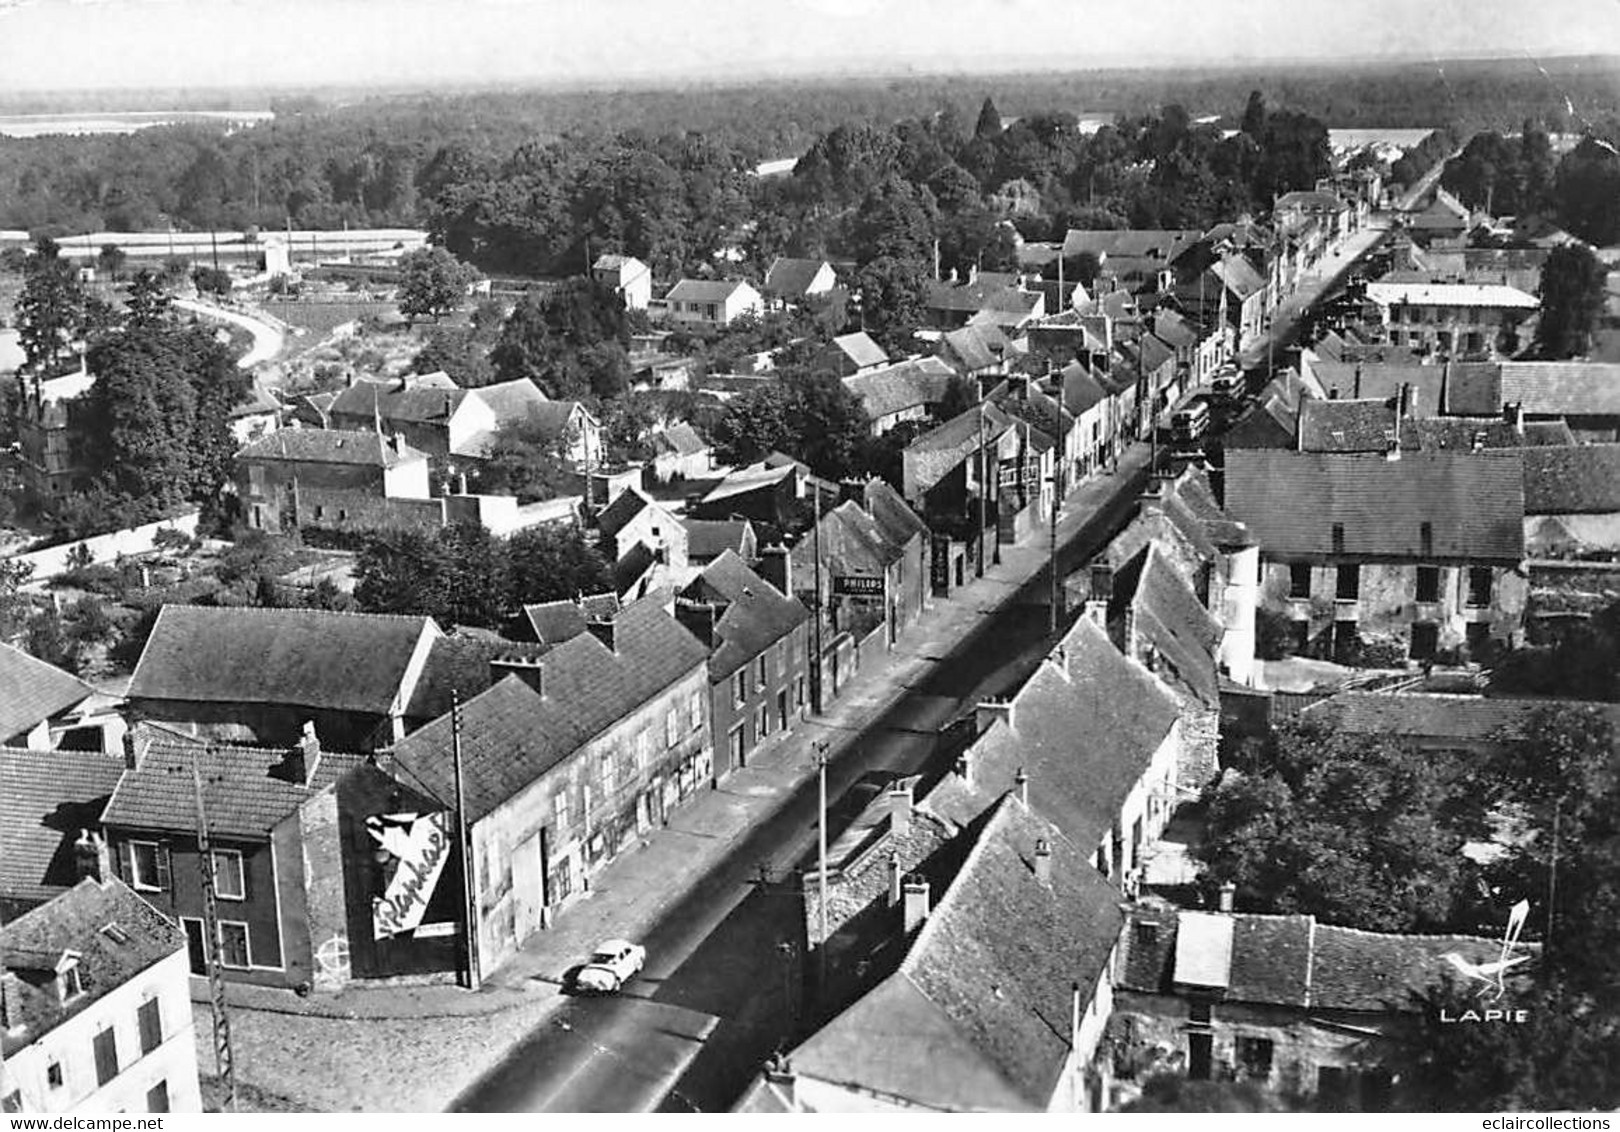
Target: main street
[(720, 989)]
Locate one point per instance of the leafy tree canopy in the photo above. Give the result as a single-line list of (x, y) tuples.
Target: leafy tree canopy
[(434, 283), (810, 416)]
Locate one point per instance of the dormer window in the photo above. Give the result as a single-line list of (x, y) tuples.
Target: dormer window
[(68, 985)]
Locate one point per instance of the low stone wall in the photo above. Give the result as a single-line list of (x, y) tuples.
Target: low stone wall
[(54, 560)]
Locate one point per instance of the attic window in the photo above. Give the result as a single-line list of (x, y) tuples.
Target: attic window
[(1147, 932), (68, 986), (115, 933)]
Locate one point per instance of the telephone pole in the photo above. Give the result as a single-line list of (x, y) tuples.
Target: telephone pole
[(816, 675), (1057, 500), (469, 892), (821, 869), (224, 1057)]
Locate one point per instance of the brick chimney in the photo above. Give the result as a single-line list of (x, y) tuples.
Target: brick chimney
[(1043, 861), (1228, 896), (528, 669), (90, 856), (914, 892), (776, 567), (135, 748), (306, 756), (895, 878), (604, 630), (900, 802), (699, 617), (1021, 783), (988, 711)]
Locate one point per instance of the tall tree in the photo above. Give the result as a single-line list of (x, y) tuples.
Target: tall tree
[(148, 300), (1587, 192), (569, 342), (51, 310), (1254, 115), (1572, 297), (434, 283), (988, 126), (810, 416), (554, 564)]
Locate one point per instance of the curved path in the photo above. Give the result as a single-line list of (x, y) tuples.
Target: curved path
[(267, 340)]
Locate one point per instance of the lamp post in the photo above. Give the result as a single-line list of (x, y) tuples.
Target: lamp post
[(820, 749)]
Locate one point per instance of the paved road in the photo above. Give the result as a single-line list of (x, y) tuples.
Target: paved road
[(267, 340), (717, 954)]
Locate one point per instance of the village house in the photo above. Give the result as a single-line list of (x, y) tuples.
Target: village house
[(433, 414), (708, 539), (39, 700), (1454, 319), (565, 762), (1443, 222), (849, 354), (977, 350), (249, 675), (570, 428), (757, 635), (789, 282), (340, 481), (258, 413), (1130, 260), (629, 278), (996, 967), (1425, 550), (1571, 500), (1330, 210), (50, 817), (95, 1007), (902, 391), (1295, 1006), (769, 493), (1002, 297), (644, 541), (47, 445), (713, 302), (679, 453)]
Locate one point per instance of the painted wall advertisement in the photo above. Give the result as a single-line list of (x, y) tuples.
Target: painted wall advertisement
[(419, 845)]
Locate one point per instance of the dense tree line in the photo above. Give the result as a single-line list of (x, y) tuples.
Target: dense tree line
[(1519, 176)]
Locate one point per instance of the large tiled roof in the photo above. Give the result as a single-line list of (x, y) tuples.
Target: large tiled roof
[(1424, 715), (511, 400), (755, 617), (1492, 295), (962, 432), (792, 277), (679, 439), (704, 290), (894, 516), (1239, 276), (1574, 480), (330, 446), (1080, 389), (1085, 729), (896, 388), (1134, 243), (1562, 389), (852, 542), (978, 1016), (860, 349), (622, 511), (1185, 636), (1473, 503), (511, 734), (1382, 381), (246, 790), (1372, 971), (46, 798), (32, 691), (116, 936), (978, 347), (706, 539), (298, 657), (417, 401), (1346, 426), (459, 665)]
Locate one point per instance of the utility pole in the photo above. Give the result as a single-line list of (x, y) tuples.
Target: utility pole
[(821, 870), (817, 693), (464, 844), (213, 239), (984, 483), (224, 1057), (1057, 500)]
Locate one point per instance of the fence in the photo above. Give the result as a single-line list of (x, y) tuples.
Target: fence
[(50, 562)]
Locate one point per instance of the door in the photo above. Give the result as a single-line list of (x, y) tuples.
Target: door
[(782, 710), (739, 750), (196, 949), (1198, 1056), (528, 887)]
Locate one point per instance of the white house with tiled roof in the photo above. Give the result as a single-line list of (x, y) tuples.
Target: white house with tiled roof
[(713, 302), (95, 1007), (628, 276)]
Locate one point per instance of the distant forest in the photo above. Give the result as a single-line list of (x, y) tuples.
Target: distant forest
[(592, 155)]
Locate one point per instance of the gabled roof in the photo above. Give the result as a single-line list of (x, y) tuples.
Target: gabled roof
[(247, 791), (679, 439), (310, 658), (1312, 200), (1492, 295), (416, 400), (554, 622), (46, 798), (707, 539), (1346, 426), (705, 290), (78, 921), (750, 479), (1182, 633), (894, 516), (620, 264), (756, 614), (964, 431), (459, 665), (32, 691), (1272, 424), (511, 734), (978, 1016), (1081, 390), (1380, 381), (977, 347), (791, 278), (330, 446), (1574, 480), (860, 349), (1473, 503), (1085, 729), (974, 295), (258, 401), (511, 400), (1135, 243), (619, 514), (900, 387), (852, 542), (1238, 275), (1562, 389)]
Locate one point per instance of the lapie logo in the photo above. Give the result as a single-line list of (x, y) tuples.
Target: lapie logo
[(1490, 979)]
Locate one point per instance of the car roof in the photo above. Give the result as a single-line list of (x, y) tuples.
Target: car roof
[(614, 945)]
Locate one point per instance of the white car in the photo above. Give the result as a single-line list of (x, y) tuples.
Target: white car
[(614, 963)]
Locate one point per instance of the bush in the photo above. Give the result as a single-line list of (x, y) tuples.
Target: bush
[(1273, 635)]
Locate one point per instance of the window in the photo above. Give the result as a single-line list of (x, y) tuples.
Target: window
[(105, 1045), (53, 1074), (1425, 640), (157, 1097), (559, 808), (68, 986), (759, 674), (1348, 586), (696, 708), (149, 866), (643, 748), (150, 1023), (255, 480), (1254, 1055), (1338, 538), (672, 728), (610, 775), (230, 883), (234, 950), (1479, 585), (739, 688), (1428, 583), (1299, 580), (798, 692), (762, 722)]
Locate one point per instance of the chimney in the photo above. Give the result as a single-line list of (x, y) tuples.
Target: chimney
[(699, 617), (90, 857), (1021, 782), (348, 379), (1102, 592), (900, 802), (852, 491), (305, 756), (964, 764), (526, 668), (602, 628), (1356, 393), (895, 877), (776, 567), (986, 712), (1228, 896), (397, 442), (1043, 861), (779, 1074), (914, 891), (135, 747), (461, 483), (1516, 415)]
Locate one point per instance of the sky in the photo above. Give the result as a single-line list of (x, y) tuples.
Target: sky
[(99, 44)]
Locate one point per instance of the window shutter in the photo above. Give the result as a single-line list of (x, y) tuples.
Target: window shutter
[(163, 872), (247, 883), (126, 863)]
